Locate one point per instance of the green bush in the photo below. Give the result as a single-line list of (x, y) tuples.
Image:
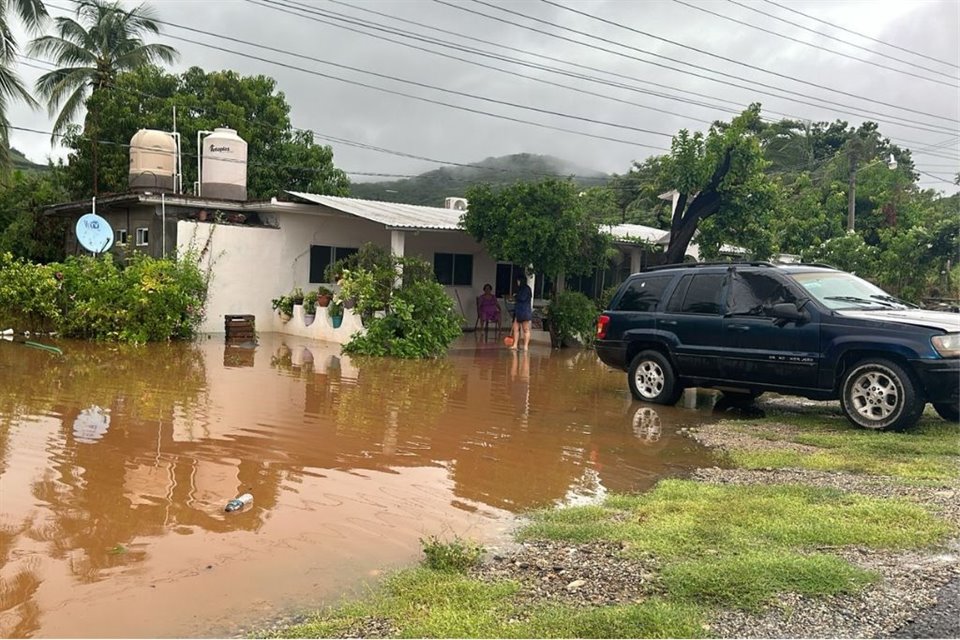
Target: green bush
[(455, 557), (144, 300), (572, 316), (606, 297), (28, 295)]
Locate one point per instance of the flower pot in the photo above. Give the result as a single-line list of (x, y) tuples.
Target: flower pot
[(308, 318), (348, 304), (336, 321), (324, 300)]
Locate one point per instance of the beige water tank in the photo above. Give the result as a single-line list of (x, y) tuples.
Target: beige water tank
[(153, 161), (224, 166)]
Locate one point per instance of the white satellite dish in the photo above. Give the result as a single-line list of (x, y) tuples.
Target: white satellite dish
[(94, 233)]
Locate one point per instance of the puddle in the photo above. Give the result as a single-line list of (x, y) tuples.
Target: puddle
[(116, 464)]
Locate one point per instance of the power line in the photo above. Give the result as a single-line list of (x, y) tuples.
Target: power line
[(816, 46), (408, 95), (857, 33), (702, 51), (276, 6), (953, 78), (847, 109)]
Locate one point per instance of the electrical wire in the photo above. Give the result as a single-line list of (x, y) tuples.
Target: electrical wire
[(698, 50), (857, 33), (953, 78)]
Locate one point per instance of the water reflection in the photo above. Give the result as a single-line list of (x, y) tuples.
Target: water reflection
[(111, 453)]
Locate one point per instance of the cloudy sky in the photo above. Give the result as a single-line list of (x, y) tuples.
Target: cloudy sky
[(632, 73)]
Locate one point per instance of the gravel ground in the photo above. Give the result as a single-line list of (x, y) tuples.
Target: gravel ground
[(918, 595)]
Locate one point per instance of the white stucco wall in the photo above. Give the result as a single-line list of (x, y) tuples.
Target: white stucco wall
[(253, 265)]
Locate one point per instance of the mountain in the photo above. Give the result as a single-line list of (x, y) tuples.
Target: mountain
[(20, 162), (432, 187)]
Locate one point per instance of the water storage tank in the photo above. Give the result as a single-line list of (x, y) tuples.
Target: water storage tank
[(224, 166), (153, 161)]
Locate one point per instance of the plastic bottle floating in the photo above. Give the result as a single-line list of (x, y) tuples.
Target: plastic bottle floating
[(239, 503)]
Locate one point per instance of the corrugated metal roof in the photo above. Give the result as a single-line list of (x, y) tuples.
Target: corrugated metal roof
[(628, 232), (390, 214)]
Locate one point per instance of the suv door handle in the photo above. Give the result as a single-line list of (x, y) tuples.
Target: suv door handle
[(738, 327), (669, 323)]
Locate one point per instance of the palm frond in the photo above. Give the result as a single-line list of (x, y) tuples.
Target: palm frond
[(31, 12), (70, 108)]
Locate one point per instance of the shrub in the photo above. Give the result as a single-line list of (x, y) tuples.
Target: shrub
[(419, 323), (283, 305), (455, 557), (606, 297), (572, 317), (97, 298), (310, 303)]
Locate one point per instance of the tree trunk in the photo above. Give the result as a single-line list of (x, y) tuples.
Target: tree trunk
[(703, 206)]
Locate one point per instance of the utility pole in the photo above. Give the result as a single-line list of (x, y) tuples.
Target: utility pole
[(852, 193)]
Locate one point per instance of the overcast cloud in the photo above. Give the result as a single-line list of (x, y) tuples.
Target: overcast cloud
[(368, 116)]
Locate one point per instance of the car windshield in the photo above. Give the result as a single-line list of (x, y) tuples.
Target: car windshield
[(838, 290)]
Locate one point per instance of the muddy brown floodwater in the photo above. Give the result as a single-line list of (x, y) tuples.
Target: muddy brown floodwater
[(116, 463)]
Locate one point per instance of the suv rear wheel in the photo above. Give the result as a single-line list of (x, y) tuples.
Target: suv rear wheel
[(949, 411), (880, 394), (651, 378)]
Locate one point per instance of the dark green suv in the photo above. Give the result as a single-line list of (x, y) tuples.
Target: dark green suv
[(804, 330)]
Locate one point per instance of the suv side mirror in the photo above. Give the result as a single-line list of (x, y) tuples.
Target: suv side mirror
[(787, 311)]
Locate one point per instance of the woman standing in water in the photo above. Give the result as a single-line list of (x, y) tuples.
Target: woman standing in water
[(522, 313)]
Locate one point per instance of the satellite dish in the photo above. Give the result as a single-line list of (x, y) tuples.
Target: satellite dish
[(94, 233)]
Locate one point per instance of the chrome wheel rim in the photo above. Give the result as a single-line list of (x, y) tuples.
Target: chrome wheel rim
[(649, 379), (875, 395)]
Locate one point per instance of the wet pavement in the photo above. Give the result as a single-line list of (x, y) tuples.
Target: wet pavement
[(116, 463)]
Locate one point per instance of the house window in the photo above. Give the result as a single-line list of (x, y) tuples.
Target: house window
[(143, 236), (322, 256), (121, 236), (453, 268)]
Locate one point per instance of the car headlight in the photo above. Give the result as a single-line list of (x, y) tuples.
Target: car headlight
[(947, 345)]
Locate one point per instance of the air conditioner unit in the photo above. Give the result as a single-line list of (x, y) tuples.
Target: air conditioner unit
[(460, 204)]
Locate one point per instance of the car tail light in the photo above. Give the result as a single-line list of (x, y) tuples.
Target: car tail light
[(602, 323)]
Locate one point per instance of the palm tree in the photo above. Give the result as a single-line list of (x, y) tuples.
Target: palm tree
[(92, 49), (32, 13)]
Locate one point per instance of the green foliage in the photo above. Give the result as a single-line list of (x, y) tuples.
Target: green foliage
[(455, 556), (848, 252), (419, 322), (606, 297), (280, 158), (538, 224), (310, 302), (144, 300), (573, 316), (24, 232), (28, 295), (283, 305)]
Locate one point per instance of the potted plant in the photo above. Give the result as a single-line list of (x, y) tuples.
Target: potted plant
[(309, 306), (324, 296), (297, 296), (284, 306), (335, 310)]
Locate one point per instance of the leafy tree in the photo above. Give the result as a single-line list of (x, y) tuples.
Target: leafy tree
[(721, 176), (103, 41), (24, 231), (803, 220), (638, 191), (542, 225), (280, 157), (33, 14)]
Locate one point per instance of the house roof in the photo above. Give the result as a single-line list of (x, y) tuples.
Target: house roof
[(637, 233), (171, 200), (393, 215)]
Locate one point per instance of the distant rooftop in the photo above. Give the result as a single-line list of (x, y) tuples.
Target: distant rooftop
[(393, 215)]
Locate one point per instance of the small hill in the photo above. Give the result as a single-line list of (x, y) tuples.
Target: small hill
[(20, 162), (432, 187)]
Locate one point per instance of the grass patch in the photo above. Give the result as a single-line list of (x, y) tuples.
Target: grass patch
[(927, 453), (686, 519), (424, 603), (747, 581)]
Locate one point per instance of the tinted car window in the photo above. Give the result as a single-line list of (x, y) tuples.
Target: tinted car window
[(703, 294), (643, 293), (753, 293), (676, 300)]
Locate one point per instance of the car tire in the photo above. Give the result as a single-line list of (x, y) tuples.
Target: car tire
[(651, 378), (949, 411), (880, 395)]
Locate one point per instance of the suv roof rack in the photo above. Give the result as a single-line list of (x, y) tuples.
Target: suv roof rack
[(682, 265)]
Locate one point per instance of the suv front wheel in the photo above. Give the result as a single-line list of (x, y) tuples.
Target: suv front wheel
[(652, 379), (880, 394)]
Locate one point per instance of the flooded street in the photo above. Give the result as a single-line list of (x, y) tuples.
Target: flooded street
[(116, 463)]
